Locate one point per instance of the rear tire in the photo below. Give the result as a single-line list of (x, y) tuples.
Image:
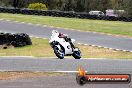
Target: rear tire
[(59, 53)]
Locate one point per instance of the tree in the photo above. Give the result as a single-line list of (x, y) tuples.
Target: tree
[(128, 7)]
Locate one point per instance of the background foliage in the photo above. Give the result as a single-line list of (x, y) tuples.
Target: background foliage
[(74, 5), (37, 6)]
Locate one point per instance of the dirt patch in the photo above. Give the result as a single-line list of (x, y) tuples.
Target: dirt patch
[(20, 75)]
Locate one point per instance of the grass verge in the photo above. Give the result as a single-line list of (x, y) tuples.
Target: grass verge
[(111, 27), (41, 48), (20, 75)]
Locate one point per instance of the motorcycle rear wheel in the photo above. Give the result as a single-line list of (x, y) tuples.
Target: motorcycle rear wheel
[(59, 53)]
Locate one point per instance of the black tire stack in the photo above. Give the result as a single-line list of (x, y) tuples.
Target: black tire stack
[(17, 40), (82, 15)]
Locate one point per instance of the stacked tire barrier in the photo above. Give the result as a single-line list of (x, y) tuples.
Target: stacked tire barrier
[(63, 14), (16, 40)]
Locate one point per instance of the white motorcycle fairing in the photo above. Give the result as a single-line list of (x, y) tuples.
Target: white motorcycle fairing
[(63, 46), (62, 42)]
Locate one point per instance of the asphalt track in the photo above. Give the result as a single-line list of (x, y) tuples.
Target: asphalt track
[(104, 66), (54, 64), (114, 42)]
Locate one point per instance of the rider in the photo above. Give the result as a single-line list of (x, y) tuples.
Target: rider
[(67, 39)]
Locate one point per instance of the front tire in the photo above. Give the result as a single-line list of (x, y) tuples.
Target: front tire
[(77, 54), (59, 53)]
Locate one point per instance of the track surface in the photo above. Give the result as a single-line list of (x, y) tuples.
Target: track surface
[(39, 64), (67, 81), (121, 43), (54, 64)]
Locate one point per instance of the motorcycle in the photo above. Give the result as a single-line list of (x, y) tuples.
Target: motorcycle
[(64, 46)]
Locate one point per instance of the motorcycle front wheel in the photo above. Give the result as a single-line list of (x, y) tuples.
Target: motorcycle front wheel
[(77, 54), (59, 52)]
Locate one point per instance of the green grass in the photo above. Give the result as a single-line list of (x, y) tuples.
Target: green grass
[(41, 48), (110, 27)]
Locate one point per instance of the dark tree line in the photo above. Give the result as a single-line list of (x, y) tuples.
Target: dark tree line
[(75, 5)]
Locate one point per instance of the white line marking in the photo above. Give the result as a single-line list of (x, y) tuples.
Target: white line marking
[(44, 71), (85, 44), (1, 19), (106, 47), (38, 24), (117, 49), (66, 71), (111, 48), (93, 45), (29, 23), (45, 26), (80, 43), (51, 26), (17, 21), (8, 20), (100, 46), (22, 22)]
